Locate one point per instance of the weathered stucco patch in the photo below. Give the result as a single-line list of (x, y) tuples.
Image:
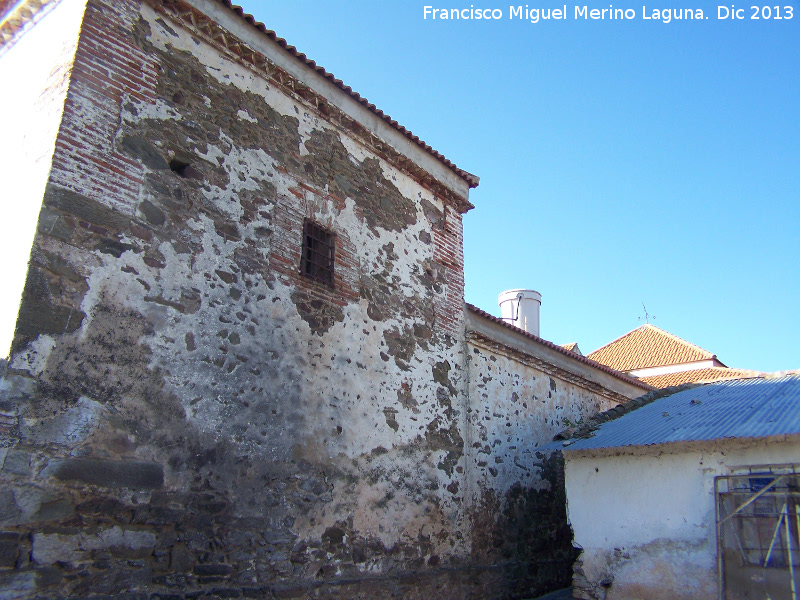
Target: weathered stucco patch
[(317, 312), (220, 423)]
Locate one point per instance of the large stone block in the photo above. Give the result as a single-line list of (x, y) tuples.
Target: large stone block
[(69, 427), (134, 474), (9, 511), (9, 550), (50, 548), (17, 586)]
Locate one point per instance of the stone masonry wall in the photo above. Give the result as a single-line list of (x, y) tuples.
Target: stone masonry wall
[(516, 404), (186, 415)]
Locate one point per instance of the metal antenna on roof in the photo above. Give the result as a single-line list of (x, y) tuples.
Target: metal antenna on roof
[(646, 316)]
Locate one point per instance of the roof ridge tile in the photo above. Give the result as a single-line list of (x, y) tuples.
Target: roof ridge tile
[(648, 346)]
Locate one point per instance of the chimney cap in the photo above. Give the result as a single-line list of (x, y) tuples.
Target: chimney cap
[(519, 293), (520, 308)]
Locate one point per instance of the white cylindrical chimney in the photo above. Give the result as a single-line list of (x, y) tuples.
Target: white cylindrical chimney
[(521, 309)]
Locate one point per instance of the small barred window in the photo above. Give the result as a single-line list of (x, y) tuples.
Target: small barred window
[(318, 247)]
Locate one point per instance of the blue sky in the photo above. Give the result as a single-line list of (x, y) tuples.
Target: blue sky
[(622, 162)]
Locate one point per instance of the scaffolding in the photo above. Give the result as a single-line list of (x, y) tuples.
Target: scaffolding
[(758, 521)]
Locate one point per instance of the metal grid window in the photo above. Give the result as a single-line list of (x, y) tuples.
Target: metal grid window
[(758, 518), (318, 249)]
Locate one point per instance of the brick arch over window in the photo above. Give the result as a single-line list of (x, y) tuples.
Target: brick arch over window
[(288, 252)]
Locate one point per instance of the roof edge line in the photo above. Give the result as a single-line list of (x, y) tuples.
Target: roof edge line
[(472, 180), (579, 357)]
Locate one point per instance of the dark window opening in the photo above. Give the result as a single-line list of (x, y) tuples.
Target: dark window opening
[(179, 167), (318, 248)]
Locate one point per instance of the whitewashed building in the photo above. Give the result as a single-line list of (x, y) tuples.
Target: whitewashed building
[(690, 496)]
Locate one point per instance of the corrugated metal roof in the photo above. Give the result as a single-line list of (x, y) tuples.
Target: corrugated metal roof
[(746, 408)]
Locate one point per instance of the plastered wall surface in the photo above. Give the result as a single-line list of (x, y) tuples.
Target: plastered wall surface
[(645, 518), (196, 399), (185, 415), (514, 408), (39, 66)]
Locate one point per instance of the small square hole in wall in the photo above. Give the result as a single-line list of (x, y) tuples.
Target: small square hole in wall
[(179, 167), (317, 261)]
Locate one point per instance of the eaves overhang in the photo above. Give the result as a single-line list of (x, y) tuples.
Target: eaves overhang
[(18, 15), (765, 407), (471, 180), (474, 312)]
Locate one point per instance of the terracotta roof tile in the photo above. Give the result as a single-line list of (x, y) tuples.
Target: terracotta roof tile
[(699, 376), (648, 346), (572, 347)]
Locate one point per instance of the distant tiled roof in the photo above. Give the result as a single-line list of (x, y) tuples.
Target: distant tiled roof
[(698, 376), (578, 357), (740, 408), (648, 346), (573, 347)]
